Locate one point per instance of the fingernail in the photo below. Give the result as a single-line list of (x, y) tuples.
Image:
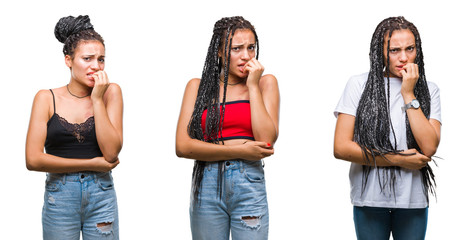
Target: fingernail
[(268, 144)]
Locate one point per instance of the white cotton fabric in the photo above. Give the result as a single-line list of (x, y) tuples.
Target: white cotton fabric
[(409, 191)]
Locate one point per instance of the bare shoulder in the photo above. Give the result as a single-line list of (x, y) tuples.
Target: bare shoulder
[(114, 88), (188, 102), (43, 96), (190, 94), (113, 92), (43, 103), (268, 81), (194, 83), (192, 87)]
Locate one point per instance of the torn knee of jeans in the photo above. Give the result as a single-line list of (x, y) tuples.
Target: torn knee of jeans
[(105, 227), (252, 222)]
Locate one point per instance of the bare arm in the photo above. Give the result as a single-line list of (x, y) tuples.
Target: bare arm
[(426, 131), (188, 147), (264, 102), (108, 112), (346, 149), (264, 108), (37, 160)]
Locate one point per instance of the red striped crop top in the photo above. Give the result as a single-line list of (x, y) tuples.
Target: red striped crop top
[(236, 123)]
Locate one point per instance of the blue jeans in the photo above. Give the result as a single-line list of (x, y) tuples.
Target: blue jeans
[(242, 209), (75, 202), (375, 223)]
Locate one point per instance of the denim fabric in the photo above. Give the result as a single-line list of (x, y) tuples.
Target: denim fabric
[(242, 209), (75, 202), (373, 223)]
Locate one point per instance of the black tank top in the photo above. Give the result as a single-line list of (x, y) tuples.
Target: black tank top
[(71, 140)]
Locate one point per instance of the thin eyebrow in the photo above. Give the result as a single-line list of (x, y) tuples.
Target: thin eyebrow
[(242, 44), (93, 55), (393, 48)]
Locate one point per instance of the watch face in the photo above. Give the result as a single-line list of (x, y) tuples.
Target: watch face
[(415, 103)]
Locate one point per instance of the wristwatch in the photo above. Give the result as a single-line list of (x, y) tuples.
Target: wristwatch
[(413, 104)]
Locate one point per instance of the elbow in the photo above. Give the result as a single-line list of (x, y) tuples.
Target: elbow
[(184, 149), (111, 157), (339, 152), (429, 152), (182, 152), (429, 145), (179, 153), (31, 164), (273, 139), (31, 160), (429, 149), (267, 139)]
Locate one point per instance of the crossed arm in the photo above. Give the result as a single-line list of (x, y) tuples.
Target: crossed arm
[(108, 124), (264, 102)]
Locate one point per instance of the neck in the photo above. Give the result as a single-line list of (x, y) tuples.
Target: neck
[(232, 80), (77, 90)]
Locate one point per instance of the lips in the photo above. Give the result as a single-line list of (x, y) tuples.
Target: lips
[(90, 75), (241, 67)]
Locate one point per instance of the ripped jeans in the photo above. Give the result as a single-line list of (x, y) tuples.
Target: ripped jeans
[(75, 202), (242, 209)]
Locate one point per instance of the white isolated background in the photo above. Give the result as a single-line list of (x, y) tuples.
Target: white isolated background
[(154, 47)]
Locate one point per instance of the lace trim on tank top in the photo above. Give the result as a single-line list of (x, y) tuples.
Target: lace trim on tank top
[(79, 130)]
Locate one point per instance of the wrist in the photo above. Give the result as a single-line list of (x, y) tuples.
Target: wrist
[(253, 89), (407, 96), (96, 97), (393, 159), (413, 104), (234, 151), (97, 102)]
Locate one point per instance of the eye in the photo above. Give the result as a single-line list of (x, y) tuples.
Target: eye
[(86, 58), (395, 50), (101, 60), (251, 47), (410, 48), (235, 48)]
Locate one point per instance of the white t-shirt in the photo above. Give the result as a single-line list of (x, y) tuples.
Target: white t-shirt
[(409, 191)]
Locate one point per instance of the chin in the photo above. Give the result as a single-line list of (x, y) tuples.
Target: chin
[(397, 75)]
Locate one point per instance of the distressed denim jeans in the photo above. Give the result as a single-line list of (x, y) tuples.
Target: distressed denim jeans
[(80, 202), (242, 210), (374, 223)]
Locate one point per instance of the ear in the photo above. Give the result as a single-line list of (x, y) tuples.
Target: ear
[(68, 61)]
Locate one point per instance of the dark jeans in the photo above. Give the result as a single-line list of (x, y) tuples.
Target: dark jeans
[(373, 223)]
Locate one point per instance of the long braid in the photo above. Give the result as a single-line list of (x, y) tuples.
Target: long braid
[(373, 123), (208, 94)]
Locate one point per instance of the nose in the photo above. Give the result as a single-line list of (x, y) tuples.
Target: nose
[(96, 65), (245, 55), (403, 56)]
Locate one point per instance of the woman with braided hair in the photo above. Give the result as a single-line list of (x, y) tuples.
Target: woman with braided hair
[(388, 126), (228, 123), (80, 127)]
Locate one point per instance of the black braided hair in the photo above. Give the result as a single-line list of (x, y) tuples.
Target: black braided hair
[(217, 59), (373, 124), (72, 30)]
